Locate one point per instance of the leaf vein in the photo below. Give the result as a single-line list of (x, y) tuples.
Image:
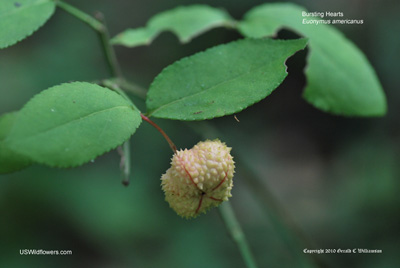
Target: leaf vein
[(210, 88), (73, 121)]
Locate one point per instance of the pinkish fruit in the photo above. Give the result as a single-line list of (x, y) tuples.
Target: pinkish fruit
[(199, 178)]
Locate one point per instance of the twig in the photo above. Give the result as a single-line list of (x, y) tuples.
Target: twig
[(125, 164), (101, 30), (132, 88), (113, 85), (123, 150)]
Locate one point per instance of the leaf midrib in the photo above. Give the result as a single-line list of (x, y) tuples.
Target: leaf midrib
[(70, 122), (210, 88)]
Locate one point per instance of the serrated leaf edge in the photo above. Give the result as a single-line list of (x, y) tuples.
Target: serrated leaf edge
[(33, 30), (151, 112), (6, 141)]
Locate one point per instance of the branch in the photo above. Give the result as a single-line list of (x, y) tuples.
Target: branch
[(125, 165), (102, 32), (132, 88)]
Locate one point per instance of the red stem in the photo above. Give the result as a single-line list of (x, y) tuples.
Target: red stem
[(171, 144)]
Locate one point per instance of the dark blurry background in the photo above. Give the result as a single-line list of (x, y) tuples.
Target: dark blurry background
[(337, 178)]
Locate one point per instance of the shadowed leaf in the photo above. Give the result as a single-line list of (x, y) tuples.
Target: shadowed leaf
[(9, 160), (340, 79)]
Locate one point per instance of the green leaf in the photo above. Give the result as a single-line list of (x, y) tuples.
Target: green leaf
[(340, 78), (70, 124), (9, 160), (186, 22), (20, 18), (222, 80), (135, 37)]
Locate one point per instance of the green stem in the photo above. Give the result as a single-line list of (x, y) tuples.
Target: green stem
[(132, 88), (113, 85), (236, 232), (124, 151), (108, 50), (101, 30), (89, 20), (126, 162)]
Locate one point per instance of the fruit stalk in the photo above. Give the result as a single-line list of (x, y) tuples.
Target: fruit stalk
[(171, 144)]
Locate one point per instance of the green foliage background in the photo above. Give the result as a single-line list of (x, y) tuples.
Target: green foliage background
[(337, 177)]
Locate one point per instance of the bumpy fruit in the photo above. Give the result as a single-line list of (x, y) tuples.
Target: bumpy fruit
[(199, 178)]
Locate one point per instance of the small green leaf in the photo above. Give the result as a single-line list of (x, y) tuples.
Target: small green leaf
[(9, 160), (70, 124), (20, 18), (222, 80), (340, 79), (135, 37), (186, 22)]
